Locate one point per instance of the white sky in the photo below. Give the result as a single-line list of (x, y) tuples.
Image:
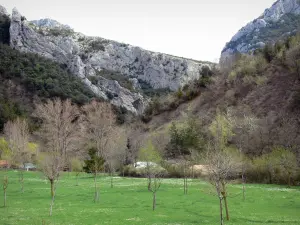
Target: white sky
[(195, 29)]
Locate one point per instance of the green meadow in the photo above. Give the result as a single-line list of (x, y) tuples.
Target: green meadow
[(129, 202)]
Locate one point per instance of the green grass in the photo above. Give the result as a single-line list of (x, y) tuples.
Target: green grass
[(129, 202)]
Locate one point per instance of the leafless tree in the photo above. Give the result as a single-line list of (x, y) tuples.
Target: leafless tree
[(222, 164), (99, 122), (244, 127), (77, 167), (60, 134), (17, 135), (221, 167), (153, 171), (115, 152)]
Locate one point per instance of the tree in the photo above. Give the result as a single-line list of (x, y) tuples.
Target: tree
[(77, 167), (221, 166), (17, 135), (244, 128), (186, 139), (99, 122), (4, 148), (4, 154), (115, 152), (287, 162), (221, 163), (152, 171), (95, 164), (60, 134)]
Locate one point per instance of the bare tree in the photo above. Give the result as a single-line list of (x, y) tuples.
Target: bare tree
[(77, 167), (152, 170), (17, 135), (115, 152), (60, 133), (99, 121), (221, 164), (245, 126)]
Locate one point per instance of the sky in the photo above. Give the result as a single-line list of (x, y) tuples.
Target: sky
[(197, 29)]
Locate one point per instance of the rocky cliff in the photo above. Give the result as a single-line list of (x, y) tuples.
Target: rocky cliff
[(277, 22), (91, 57)]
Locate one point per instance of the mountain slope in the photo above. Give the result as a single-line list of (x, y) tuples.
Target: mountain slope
[(88, 57), (276, 23)]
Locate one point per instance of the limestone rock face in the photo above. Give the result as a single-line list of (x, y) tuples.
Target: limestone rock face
[(275, 23), (3, 10), (87, 56)]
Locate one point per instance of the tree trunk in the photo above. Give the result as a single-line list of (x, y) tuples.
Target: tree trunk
[(96, 198), (244, 188), (52, 196), (51, 205), (225, 201), (154, 201), (4, 198), (289, 180), (52, 188), (77, 179), (221, 210)]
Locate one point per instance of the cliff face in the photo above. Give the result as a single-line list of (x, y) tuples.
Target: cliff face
[(89, 57), (277, 22)]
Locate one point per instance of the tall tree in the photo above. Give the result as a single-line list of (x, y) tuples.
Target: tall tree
[(60, 134), (99, 122), (17, 135)]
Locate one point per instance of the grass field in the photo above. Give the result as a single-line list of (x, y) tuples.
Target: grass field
[(129, 202)]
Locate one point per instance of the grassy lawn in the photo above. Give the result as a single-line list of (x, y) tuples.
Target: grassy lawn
[(129, 202)]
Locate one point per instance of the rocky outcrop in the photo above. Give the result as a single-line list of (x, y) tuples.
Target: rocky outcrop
[(88, 56), (280, 20), (3, 11), (49, 23)]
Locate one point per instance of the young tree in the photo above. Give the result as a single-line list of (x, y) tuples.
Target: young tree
[(77, 167), (17, 136), (95, 164), (221, 164), (244, 127), (152, 171), (60, 134), (115, 152), (99, 122)]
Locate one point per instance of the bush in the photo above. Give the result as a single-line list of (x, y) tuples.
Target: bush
[(248, 66), (293, 59)]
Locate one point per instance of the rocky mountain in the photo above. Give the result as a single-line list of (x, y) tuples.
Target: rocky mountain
[(112, 70), (49, 23), (277, 22)]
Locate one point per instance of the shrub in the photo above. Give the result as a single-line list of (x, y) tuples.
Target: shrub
[(293, 59)]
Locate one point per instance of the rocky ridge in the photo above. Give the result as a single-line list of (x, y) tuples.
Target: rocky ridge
[(88, 56), (278, 21)]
